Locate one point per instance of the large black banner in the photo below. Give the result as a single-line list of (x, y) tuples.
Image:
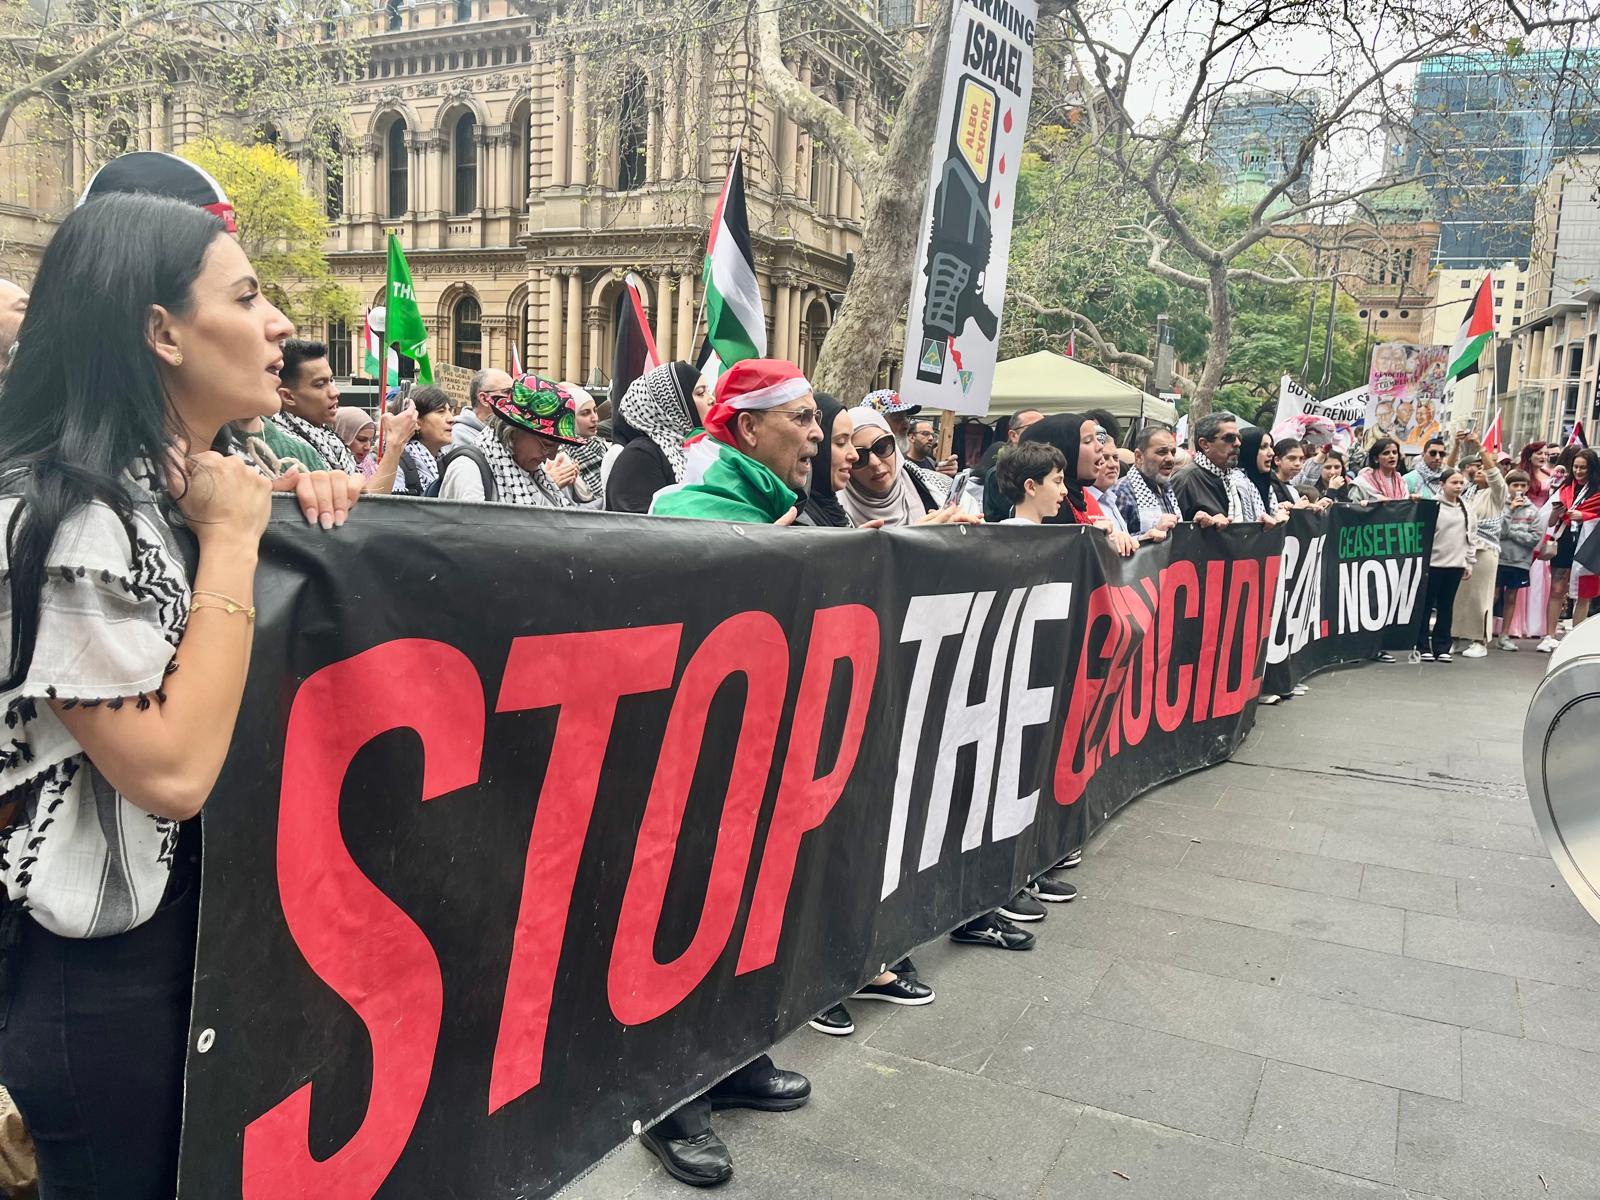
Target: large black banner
[(537, 823), (1351, 585)]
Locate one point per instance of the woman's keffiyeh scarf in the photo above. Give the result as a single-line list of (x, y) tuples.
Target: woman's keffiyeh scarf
[(324, 441), (1243, 494), (588, 455), (653, 407), (512, 484)]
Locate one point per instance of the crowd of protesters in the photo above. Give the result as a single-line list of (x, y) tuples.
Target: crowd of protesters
[(138, 471)]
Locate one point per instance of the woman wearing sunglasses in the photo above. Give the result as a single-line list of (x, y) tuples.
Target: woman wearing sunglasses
[(884, 487)]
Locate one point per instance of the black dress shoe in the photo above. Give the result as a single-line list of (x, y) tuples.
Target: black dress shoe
[(699, 1161), (780, 1091)]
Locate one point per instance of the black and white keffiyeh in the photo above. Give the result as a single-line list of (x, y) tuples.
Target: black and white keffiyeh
[(324, 441), (427, 468), (1236, 483), (1142, 504), (512, 484), (1245, 496), (655, 409), (588, 455)]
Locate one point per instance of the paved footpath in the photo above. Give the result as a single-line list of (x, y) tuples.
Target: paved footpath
[(1341, 965)]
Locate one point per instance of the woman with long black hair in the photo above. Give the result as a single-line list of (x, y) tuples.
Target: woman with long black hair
[(123, 669)]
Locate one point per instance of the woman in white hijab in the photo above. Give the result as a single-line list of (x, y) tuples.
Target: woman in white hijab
[(884, 487)]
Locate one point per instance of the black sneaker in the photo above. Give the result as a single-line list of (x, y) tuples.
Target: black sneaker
[(1442, 656), (994, 930), (1071, 860), (1426, 655), (1052, 891), (835, 1022), (1383, 656), (1022, 907), (899, 991)]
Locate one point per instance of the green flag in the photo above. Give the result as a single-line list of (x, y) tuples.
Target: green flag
[(404, 329)]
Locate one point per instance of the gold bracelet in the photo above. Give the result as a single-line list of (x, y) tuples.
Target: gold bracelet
[(226, 604)]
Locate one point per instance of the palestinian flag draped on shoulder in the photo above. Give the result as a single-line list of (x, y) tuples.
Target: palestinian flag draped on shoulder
[(1474, 334), (721, 482), (735, 321)]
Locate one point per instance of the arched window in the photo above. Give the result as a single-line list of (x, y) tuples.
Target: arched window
[(333, 170), (633, 134), (463, 10), (466, 334), (464, 150), (391, 9), (398, 171), (118, 135)]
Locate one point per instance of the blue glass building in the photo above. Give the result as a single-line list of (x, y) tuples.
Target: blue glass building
[(1485, 129)]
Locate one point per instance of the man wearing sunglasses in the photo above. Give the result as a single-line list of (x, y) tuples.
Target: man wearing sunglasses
[(1202, 488), (755, 460), (1424, 479), (488, 385)]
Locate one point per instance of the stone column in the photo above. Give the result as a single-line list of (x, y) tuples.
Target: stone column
[(664, 287), (788, 138), (572, 367), (796, 316), (781, 321), (596, 321), (669, 140), (553, 301), (560, 123), (850, 204), (805, 145), (686, 318), (579, 174)]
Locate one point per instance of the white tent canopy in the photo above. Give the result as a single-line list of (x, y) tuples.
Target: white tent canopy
[(1054, 383)]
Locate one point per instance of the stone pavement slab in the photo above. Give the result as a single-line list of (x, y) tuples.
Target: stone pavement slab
[(1339, 967)]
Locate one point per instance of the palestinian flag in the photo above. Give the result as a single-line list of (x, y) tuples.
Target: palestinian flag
[(1491, 437), (735, 322), (1474, 334), (721, 483), (1576, 438)]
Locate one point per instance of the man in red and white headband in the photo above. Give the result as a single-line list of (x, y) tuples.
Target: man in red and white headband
[(753, 463)]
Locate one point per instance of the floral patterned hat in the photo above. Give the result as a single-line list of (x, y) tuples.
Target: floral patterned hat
[(540, 406)]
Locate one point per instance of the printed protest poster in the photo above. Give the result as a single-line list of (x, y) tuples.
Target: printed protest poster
[(1406, 389), (1346, 411), (953, 326)]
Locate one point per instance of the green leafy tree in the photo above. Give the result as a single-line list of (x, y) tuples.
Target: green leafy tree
[(1270, 339), (281, 228)]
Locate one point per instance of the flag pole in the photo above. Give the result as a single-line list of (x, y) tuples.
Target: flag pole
[(738, 150), (383, 360)]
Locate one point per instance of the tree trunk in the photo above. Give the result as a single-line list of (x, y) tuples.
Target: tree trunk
[(891, 231), (1219, 307)]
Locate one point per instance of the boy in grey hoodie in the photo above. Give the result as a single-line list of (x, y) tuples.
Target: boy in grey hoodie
[(1520, 535)]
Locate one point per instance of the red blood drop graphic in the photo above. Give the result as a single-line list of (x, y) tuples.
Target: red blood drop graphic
[(1002, 164), (1005, 122), (997, 201)]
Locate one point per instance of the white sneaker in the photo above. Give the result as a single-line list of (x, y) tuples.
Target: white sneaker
[(1547, 646), (1506, 643), (1476, 650), (1565, 625)]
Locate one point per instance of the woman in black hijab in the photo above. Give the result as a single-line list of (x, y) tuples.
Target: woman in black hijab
[(829, 474), (1075, 436), (1256, 459), (1078, 439)]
